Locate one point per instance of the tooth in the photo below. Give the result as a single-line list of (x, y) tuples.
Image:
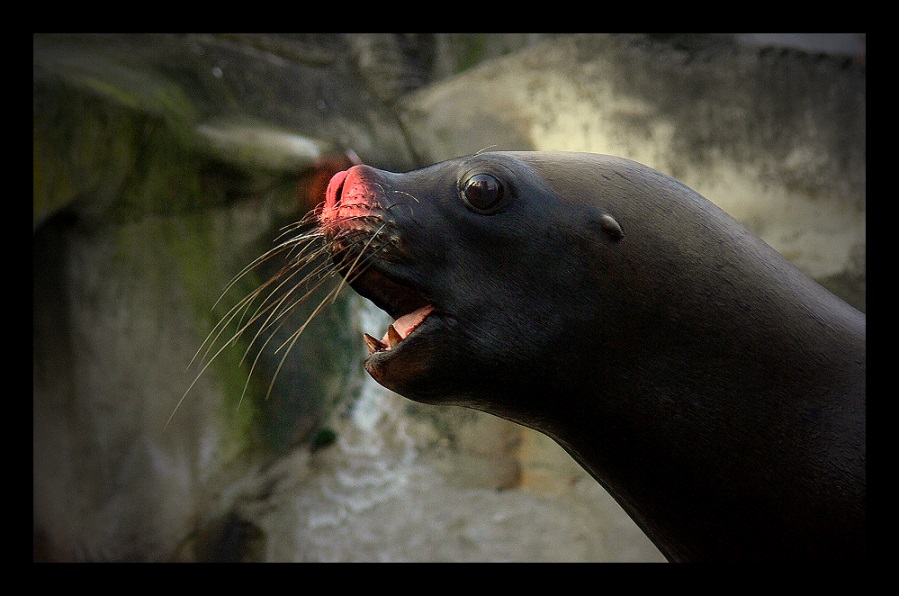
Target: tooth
[(373, 344), (393, 337)]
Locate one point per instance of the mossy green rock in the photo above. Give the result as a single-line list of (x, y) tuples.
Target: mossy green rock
[(162, 166)]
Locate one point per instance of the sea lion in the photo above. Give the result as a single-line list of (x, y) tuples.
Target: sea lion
[(713, 389)]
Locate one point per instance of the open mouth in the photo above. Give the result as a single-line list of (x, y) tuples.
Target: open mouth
[(352, 217), (398, 331), (407, 306)]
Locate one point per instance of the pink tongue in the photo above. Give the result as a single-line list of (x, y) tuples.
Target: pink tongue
[(406, 323)]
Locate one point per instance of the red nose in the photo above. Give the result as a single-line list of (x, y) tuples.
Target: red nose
[(349, 193)]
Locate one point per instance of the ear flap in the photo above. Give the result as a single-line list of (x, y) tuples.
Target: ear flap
[(611, 227)]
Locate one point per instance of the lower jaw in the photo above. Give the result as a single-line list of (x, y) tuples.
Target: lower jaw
[(404, 364)]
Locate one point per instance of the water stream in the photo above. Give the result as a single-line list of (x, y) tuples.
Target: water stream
[(377, 495)]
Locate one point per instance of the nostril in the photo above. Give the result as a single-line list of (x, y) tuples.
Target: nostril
[(335, 190)]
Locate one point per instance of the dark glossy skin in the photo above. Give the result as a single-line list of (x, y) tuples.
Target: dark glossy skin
[(711, 387)]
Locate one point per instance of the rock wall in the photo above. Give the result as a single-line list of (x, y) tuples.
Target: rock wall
[(163, 164)]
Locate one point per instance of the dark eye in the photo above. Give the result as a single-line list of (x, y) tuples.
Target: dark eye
[(482, 192)]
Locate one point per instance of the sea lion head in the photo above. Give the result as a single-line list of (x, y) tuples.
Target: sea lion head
[(481, 261)]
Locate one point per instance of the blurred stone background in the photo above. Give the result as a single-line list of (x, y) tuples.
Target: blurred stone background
[(164, 164)]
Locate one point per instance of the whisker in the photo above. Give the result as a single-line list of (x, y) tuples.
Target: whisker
[(402, 192), (267, 308), (331, 297), (241, 309), (296, 335), (359, 256), (271, 336), (197, 378), (298, 262), (262, 258), (277, 312), (228, 317)]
